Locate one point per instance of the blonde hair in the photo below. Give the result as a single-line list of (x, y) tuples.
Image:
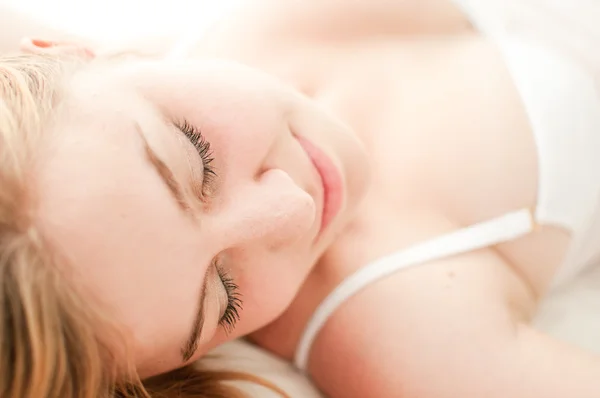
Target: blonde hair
[(53, 342)]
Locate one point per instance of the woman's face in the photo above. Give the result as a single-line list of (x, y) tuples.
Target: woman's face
[(188, 195)]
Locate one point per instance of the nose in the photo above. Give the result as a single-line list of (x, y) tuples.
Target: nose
[(271, 211)]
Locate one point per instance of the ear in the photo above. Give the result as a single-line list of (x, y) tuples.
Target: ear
[(38, 46)]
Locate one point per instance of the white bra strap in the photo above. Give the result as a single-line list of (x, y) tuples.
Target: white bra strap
[(489, 233)]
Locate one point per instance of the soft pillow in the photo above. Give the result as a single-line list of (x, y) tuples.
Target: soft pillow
[(239, 355)]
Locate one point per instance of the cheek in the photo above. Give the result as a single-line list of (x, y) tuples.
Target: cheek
[(269, 287)]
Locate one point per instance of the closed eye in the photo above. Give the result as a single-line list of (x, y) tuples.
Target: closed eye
[(202, 146)]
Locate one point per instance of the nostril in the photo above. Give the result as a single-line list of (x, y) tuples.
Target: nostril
[(274, 211), (276, 175)]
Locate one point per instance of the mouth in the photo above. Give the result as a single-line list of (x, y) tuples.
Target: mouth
[(331, 180)]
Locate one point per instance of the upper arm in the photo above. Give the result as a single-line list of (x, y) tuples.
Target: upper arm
[(419, 332), (457, 327)]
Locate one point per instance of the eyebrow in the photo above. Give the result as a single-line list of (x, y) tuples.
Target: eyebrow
[(191, 344), (166, 174)]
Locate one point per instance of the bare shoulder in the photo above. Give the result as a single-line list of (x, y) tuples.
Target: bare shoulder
[(276, 21), (400, 333)]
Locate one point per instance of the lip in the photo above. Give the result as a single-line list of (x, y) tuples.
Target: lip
[(331, 180)]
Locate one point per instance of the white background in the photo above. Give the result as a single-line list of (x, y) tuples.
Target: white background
[(115, 19)]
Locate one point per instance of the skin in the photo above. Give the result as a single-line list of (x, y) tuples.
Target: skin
[(369, 101), (261, 220)]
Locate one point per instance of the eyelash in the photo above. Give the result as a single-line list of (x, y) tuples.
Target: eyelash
[(202, 146), (234, 301)]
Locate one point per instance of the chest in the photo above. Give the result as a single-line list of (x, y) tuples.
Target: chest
[(448, 132)]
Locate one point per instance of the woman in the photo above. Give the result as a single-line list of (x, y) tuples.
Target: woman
[(153, 209)]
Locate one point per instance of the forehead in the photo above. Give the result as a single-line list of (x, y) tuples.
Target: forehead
[(212, 91), (161, 77)]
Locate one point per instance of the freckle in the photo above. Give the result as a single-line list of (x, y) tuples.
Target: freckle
[(451, 274)]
